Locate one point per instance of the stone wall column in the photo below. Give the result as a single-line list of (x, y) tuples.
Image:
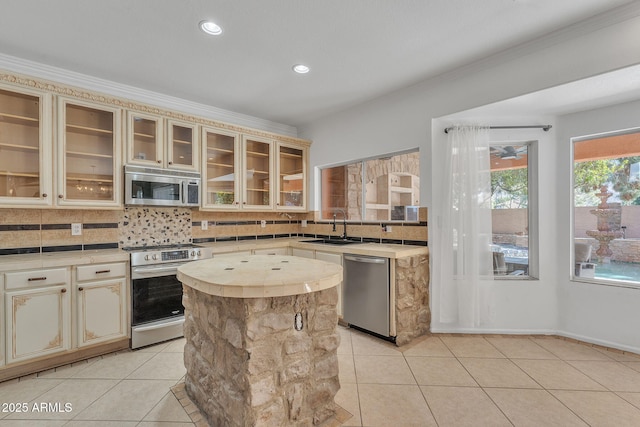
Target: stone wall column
[(250, 362)]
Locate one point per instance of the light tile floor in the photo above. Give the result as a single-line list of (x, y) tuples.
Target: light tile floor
[(438, 380)]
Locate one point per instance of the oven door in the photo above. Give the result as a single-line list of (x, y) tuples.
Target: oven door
[(156, 293), (157, 313)]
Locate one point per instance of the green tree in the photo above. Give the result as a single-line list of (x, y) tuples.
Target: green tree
[(509, 189)]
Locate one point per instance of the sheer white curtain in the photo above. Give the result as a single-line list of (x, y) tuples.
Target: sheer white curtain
[(463, 253)]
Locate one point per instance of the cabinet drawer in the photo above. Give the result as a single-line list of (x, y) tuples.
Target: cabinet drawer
[(101, 271), (36, 278)]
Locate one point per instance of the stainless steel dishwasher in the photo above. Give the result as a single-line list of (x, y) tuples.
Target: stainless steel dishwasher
[(365, 293)]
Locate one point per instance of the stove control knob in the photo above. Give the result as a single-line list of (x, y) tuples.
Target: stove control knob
[(154, 257), (199, 253), (193, 253), (146, 257)]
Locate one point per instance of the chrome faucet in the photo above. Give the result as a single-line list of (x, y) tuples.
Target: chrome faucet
[(344, 223)]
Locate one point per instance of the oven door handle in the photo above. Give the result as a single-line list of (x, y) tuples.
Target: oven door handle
[(159, 325), (139, 272)]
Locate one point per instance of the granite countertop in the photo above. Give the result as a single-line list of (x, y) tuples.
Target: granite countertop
[(259, 276)]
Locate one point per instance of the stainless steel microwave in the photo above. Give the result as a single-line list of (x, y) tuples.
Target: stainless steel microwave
[(160, 187)]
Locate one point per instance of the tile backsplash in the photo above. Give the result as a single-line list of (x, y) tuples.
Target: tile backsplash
[(48, 230)]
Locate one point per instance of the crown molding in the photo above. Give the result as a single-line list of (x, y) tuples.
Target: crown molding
[(59, 75)]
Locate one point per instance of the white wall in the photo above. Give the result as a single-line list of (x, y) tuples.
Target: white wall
[(597, 313), (403, 120)]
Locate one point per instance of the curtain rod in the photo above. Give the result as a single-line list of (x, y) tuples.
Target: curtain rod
[(543, 127)]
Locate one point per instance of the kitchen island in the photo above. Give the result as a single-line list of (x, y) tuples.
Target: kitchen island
[(261, 339)]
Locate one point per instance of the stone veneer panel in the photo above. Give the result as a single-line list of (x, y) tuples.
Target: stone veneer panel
[(248, 366), (413, 317), (148, 226)]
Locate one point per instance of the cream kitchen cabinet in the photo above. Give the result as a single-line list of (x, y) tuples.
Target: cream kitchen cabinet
[(25, 147), (335, 258), (272, 251), (155, 141), (220, 169), (258, 173), (88, 163), (37, 313), (1, 317), (101, 303), (291, 170)]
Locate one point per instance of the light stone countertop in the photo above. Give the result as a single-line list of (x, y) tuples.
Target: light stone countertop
[(373, 249), (61, 259), (259, 276), (70, 258)]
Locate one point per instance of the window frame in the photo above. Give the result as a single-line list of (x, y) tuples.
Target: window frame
[(572, 258), (532, 208), (362, 162)]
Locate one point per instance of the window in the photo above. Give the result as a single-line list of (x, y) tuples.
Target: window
[(606, 207), (512, 206), (375, 189)]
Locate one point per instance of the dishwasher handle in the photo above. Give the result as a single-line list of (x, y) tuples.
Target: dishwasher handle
[(364, 259)]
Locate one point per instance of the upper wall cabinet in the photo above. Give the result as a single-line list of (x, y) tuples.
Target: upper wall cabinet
[(291, 167), (257, 179), (220, 169), (88, 166), (150, 144), (25, 147)]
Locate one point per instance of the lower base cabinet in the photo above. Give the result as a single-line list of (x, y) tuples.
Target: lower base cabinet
[(323, 256), (37, 322), (101, 309)]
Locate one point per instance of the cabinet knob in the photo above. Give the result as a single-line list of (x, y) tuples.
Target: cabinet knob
[(63, 290), (170, 163), (159, 161), (81, 289), (60, 196), (44, 195)]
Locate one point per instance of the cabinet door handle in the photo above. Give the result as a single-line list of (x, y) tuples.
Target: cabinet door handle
[(60, 196), (159, 161), (44, 195), (80, 289), (33, 279), (63, 290), (103, 271), (170, 163)]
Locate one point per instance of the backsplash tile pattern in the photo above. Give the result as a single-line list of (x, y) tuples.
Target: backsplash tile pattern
[(150, 226), (48, 230)]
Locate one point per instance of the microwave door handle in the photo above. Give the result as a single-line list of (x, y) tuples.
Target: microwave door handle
[(184, 190)]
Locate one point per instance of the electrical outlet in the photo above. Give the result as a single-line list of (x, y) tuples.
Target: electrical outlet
[(76, 229), (204, 225), (263, 223), (304, 223)]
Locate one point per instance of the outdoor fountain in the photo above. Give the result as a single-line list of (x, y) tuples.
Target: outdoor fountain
[(608, 225)]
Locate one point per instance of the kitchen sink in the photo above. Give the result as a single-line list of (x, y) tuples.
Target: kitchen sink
[(331, 241)]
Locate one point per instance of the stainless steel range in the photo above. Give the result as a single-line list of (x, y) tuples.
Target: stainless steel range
[(157, 313)]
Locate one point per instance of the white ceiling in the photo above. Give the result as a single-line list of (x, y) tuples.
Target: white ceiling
[(357, 49)]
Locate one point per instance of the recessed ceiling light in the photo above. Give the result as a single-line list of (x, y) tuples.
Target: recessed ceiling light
[(210, 28), (301, 69)]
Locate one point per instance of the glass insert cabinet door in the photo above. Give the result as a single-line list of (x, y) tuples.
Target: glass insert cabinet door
[(220, 170), (182, 145), (89, 151), (291, 178), (25, 148), (258, 183), (145, 139)]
